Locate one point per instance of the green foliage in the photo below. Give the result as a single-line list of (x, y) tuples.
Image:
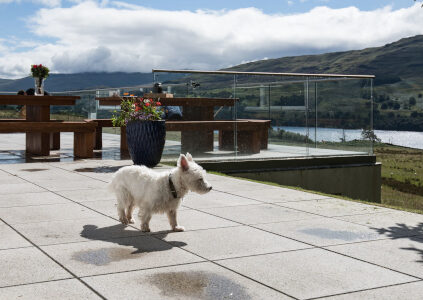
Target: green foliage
[(39, 71), (137, 109), (368, 134), (281, 134)]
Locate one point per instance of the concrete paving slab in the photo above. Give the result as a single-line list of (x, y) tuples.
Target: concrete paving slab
[(15, 167), (108, 208), (271, 194), (233, 242), (402, 254), (333, 207), (45, 213), (313, 273), (30, 199), (406, 291), (19, 188), (116, 255), (28, 265), (323, 231), (190, 219), (10, 239), (256, 214), (230, 184), (6, 178), (194, 281), (215, 199), (68, 185), (392, 223), (41, 174), (88, 195), (61, 289), (67, 231)]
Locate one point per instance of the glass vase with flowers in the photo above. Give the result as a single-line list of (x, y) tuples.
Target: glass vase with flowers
[(40, 73)]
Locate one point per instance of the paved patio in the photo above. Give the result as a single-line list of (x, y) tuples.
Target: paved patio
[(60, 239)]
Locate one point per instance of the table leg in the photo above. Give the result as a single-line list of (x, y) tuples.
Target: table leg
[(197, 141), (55, 141), (38, 143)]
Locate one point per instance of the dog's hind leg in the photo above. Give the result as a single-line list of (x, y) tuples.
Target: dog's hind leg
[(124, 200), (171, 215), (145, 217), (129, 211)]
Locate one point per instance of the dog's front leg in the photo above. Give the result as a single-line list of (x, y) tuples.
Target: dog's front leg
[(145, 218), (171, 215)]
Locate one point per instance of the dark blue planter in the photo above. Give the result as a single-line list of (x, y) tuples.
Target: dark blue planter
[(146, 141)]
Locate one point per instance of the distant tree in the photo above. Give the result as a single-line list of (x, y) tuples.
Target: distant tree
[(412, 101), (368, 134), (397, 106), (384, 106), (414, 114), (420, 95)]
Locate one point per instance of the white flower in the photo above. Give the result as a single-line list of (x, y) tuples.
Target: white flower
[(146, 101)]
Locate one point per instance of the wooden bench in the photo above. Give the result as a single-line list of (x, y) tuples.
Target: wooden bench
[(83, 132), (252, 135), (98, 138), (54, 136)]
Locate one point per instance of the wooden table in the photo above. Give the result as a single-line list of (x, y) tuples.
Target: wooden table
[(37, 110), (194, 109)]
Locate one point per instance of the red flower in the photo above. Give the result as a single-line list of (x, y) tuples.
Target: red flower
[(147, 104), (158, 103)]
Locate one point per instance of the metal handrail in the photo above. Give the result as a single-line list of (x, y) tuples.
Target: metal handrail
[(262, 73)]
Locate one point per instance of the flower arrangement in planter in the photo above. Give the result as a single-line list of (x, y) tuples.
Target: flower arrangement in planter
[(137, 109), (145, 129), (39, 72)]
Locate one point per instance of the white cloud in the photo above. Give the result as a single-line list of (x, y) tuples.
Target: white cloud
[(108, 36)]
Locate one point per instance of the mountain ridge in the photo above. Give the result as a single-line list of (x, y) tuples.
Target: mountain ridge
[(392, 63)]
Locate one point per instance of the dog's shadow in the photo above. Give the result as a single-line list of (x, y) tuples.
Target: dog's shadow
[(143, 243)]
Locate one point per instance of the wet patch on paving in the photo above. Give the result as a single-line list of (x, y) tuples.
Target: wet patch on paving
[(33, 170), (98, 170), (197, 284), (104, 256)]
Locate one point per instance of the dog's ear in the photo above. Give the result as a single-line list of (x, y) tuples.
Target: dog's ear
[(183, 162), (189, 157)]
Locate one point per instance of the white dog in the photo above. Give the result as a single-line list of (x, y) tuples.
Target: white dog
[(155, 192)]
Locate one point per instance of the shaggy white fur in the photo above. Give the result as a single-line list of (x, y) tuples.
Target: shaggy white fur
[(153, 192)]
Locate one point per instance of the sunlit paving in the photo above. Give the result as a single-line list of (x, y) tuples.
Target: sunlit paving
[(211, 149)]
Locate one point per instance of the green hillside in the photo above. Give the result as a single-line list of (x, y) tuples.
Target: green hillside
[(396, 61)]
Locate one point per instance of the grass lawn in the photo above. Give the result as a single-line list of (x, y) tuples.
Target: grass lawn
[(402, 176)]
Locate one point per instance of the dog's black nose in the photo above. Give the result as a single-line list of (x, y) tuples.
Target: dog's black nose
[(210, 188)]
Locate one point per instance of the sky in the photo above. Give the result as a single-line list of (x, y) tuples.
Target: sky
[(71, 36)]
